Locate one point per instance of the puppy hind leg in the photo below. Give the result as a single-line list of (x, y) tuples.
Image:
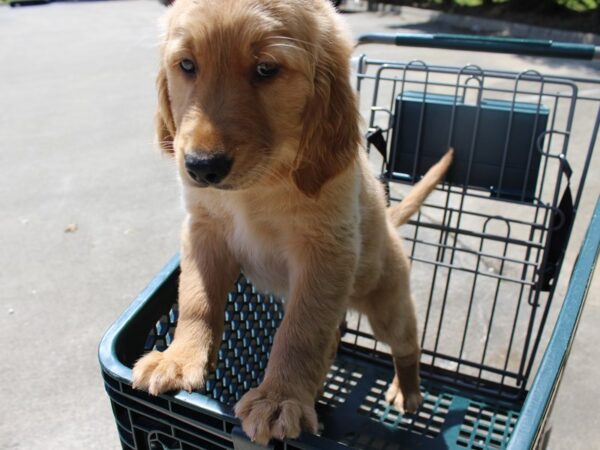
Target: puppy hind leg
[(394, 323), (404, 392)]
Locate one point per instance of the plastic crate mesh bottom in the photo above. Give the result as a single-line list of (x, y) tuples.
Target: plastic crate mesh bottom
[(483, 427), (251, 319), (486, 428), (429, 419), (339, 384)]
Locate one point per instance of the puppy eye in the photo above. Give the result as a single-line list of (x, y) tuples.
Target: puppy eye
[(188, 66), (267, 70)]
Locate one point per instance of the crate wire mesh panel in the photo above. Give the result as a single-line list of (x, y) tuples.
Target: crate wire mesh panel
[(487, 247), (486, 250), (251, 319)]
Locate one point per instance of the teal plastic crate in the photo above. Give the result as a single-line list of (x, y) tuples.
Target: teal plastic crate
[(352, 409)]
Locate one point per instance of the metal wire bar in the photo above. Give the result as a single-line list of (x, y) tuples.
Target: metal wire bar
[(492, 237), (472, 364), (495, 44), (512, 220), (477, 253), (495, 302), (496, 73)]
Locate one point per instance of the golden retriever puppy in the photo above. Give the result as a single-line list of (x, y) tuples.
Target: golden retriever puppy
[(256, 106)]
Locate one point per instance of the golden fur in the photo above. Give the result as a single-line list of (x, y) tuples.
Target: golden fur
[(300, 211)]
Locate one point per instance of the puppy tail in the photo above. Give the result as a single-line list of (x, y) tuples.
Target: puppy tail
[(400, 213)]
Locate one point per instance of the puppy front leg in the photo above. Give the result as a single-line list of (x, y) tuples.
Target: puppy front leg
[(283, 405), (208, 271)]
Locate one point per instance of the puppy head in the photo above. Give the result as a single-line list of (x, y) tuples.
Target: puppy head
[(256, 91)]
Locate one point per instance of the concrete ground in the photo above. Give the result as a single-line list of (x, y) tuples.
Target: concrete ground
[(90, 212)]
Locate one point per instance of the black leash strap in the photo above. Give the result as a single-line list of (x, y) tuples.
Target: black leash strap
[(560, 224), (376, 139)]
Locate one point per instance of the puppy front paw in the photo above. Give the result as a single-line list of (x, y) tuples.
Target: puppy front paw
[(175, 368), (266, 413), (406, 403)]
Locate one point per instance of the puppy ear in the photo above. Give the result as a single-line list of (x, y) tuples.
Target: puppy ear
[(165, 126), (330, 136)]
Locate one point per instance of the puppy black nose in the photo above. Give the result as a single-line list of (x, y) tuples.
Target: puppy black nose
[(207, 169)]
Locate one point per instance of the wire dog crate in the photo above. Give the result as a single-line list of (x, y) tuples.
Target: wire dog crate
[(487, 248), (491, 241)]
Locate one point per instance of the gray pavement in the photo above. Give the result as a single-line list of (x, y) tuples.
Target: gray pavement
[(77, 98)]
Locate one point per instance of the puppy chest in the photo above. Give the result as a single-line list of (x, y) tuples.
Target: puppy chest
[(260, 252)]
